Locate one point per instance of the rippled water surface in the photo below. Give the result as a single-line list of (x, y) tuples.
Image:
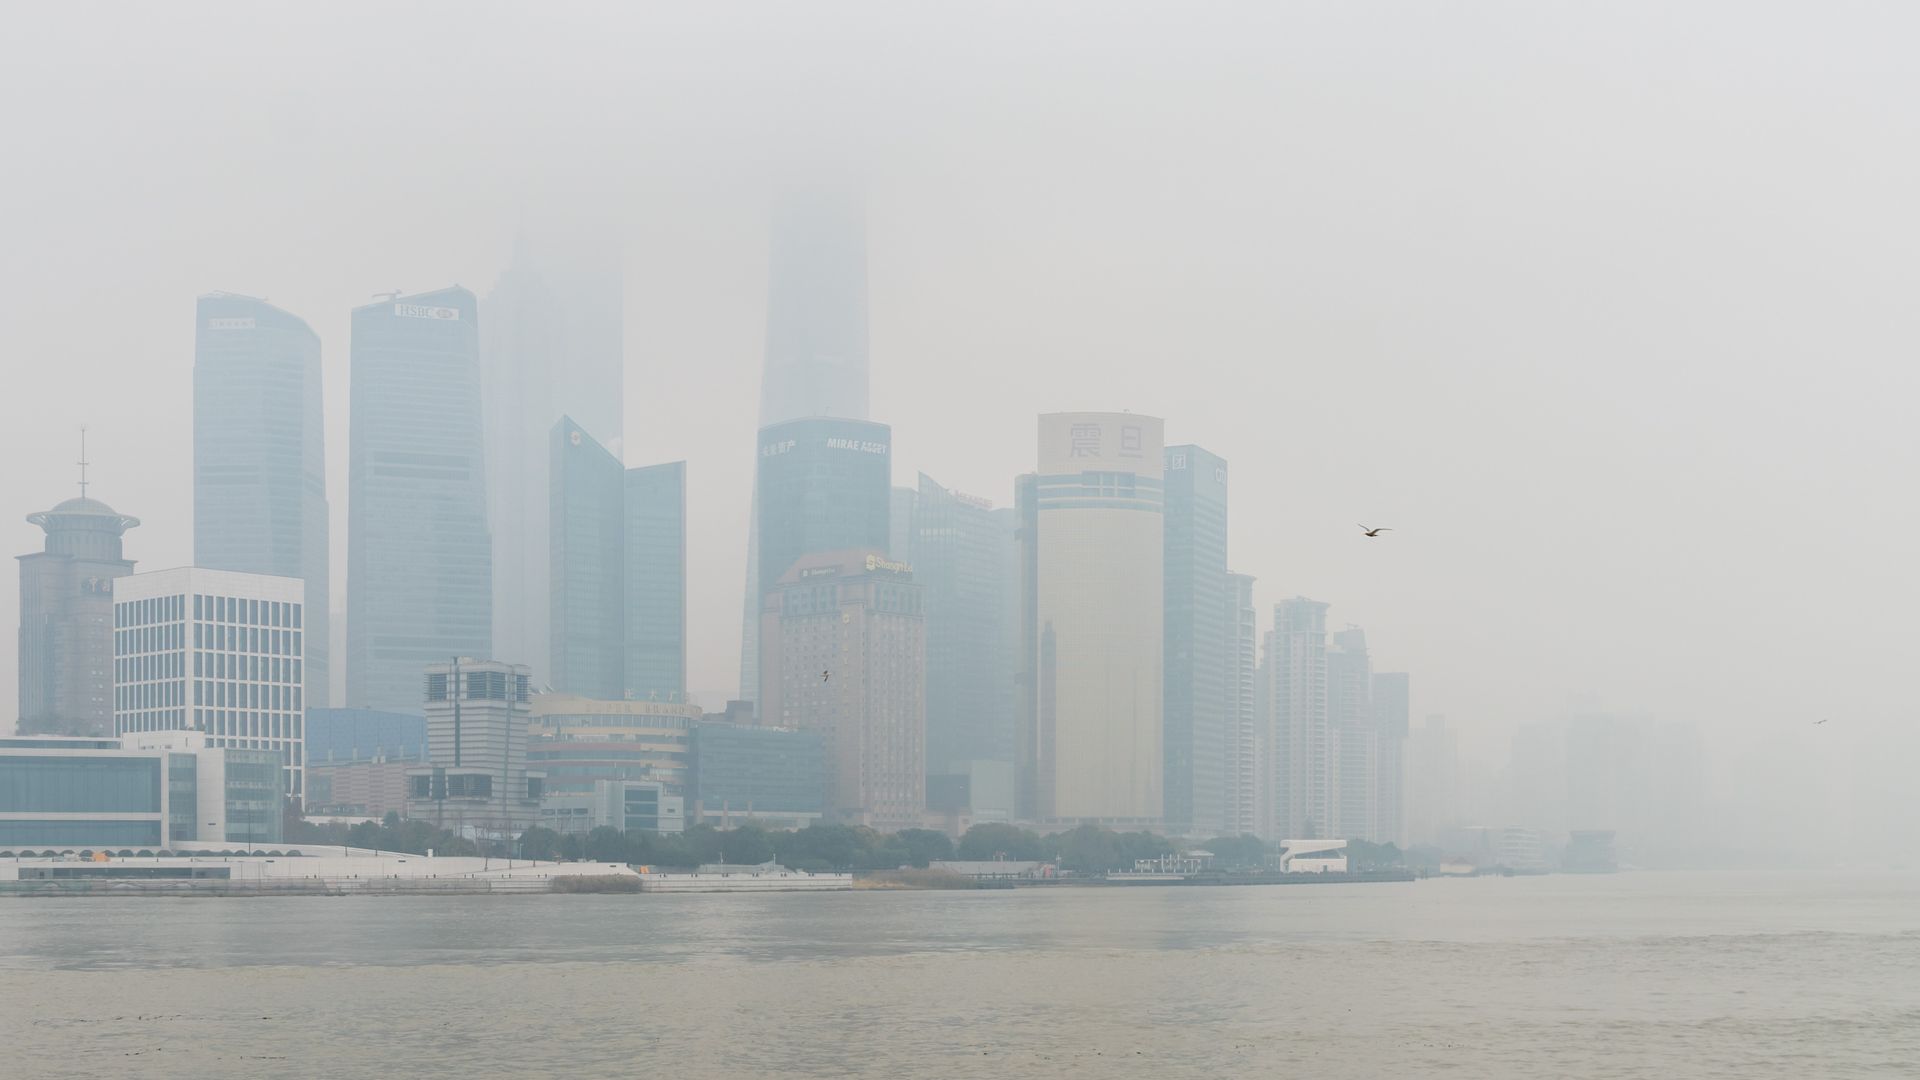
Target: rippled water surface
[(1634, 975)]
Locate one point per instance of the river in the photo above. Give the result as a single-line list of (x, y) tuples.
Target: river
[(1630, 975)]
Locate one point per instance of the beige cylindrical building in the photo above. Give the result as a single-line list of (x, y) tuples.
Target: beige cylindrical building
[(1096, 565)]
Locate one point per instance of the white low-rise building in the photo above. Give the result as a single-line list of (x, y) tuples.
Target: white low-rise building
[(1313, 857)]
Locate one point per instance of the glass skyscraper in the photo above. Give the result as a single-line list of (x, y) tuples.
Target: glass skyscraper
[(419, 557), (962, 551), (1197, 641), (1304, 784), (259, 461), (656, 555), (823, 485), (618, 538), (587, 538), (1241, 799)]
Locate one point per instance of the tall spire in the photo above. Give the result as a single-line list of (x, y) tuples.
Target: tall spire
[(83, 461)]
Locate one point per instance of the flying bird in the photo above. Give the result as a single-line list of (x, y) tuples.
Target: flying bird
[(1374, 531), (825, 675), (1817, 723)]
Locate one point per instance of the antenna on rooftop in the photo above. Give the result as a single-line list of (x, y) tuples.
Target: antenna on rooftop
[(83, 461)]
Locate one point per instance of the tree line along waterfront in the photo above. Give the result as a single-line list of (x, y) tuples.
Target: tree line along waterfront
[(1087, 849)]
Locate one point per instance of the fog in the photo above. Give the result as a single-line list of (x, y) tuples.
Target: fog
[(1605, 310)]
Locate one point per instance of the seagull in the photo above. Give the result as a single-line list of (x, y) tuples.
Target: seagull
[(1817, 723), (825, 675), (1374, 531)]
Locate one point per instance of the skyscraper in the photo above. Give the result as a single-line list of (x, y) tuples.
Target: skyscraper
[(823, 485), (961, 552), (588, 589), (1391, 698), (552, 346), (1303, 759), (619, 595), (1092, 523), (419, 560), (656, 554), (816, 349), (1433, 780), (217, 652), (1196, 640), (1355, 742), (846, 657), (259, 458), (66, 618), (1241, 802)]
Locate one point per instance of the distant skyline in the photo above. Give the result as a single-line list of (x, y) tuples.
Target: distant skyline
[(1622, 359)]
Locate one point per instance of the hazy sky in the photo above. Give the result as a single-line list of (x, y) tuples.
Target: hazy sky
[(1606, 309)]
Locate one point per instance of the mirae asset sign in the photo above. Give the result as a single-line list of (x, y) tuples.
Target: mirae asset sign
[(775, 449), (862, 445)]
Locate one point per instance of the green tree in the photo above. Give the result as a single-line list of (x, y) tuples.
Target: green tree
[(996, 839), (539, 843), (1238, 852), (671, 849), (570, 849), (1088, 849), (825, 846), (605, 844), (703, 844), (746, 844), (925, 845), (1362, 855)]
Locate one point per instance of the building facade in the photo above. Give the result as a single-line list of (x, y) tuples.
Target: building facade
[(551, 346), (656, 582), (618, 575), (747, 772), (218, 652), (1355, 740), (1196, 641), (339, 735), (1303, 758), (961, 552), (845, 656), (419, 558), (820, 484), (357, 760), (259, 456), (478, 782), (1241, 780), (1095, 544), (1391, 707), (579, 741), (587, 530), (150, 792), (66, 618), (627, 805)]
